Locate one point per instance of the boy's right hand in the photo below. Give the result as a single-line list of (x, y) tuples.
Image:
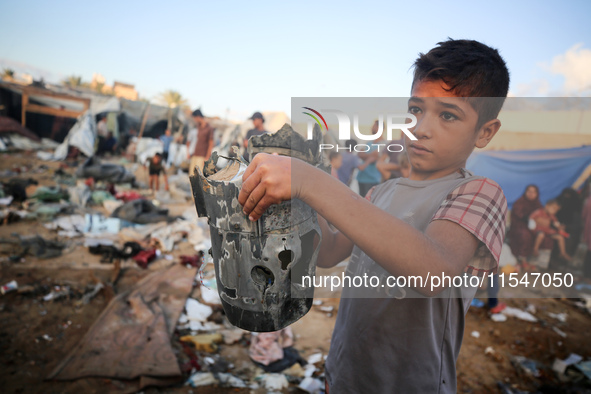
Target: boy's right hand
[(266, 181)]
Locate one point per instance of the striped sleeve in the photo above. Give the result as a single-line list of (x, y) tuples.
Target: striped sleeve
[(480, 207)]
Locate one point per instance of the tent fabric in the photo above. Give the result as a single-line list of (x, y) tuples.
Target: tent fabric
[(82, 135), (551, 170)]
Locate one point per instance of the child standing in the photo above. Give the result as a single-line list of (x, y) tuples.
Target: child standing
[(156, 168), (442, 220)]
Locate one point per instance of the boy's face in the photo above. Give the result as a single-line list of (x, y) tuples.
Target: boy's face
[(445, 131)]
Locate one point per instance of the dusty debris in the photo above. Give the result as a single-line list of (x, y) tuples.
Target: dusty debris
[(201, 379), (112, 173), (204, 342), (273, 381), (35, 246), (520, 314), (530, 367), (311, 385), (232, 336), (131, 338), (559, 366), (141, 212), (10, 286)]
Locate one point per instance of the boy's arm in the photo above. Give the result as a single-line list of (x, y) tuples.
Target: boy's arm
[(334, 248), (165, 180), (444, 248)]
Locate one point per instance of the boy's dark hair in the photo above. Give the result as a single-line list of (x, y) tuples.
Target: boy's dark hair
[(333, 155), (470, 69), (350, 143), (553, 202), (198, 112)]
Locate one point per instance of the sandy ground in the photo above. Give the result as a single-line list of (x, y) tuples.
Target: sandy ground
[(26, 357)]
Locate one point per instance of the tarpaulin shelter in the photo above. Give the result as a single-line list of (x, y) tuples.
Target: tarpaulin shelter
[(551, 170)]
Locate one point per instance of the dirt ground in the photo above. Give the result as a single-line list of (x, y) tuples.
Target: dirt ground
[(27, 357)]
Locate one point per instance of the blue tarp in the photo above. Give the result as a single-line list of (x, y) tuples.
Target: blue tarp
[(551, 170)]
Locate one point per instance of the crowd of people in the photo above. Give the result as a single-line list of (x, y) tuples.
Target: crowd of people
[(373, 166)]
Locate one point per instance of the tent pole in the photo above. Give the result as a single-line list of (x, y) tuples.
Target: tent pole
[(144, 120)]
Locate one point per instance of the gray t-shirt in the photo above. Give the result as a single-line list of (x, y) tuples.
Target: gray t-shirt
[(399, 342)]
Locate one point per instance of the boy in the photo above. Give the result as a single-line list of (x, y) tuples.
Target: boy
[(441, 220), (155, 169), (548, 225)]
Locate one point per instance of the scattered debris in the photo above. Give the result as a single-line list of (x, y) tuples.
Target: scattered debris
[(498, 317), (559, 332), (560, 366), (518, 313), (201, 379), (10, 286), (311, 385), (558, 316), (526, 365), (476, 303), (274, 381), (475, 334), (204, 342)]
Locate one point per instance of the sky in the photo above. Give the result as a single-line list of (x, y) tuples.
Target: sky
[(234, 58)]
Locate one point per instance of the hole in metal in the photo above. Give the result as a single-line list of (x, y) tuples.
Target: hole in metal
[(286, 257), (262, 276)]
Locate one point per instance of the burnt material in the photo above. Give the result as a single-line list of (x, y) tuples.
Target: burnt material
[(259, 265)]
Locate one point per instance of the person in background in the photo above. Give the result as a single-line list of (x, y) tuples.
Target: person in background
[(204, 144), (258, 121), (369, 176), (155, 168), (191, 143), (349, 163), (336, 161), (548, 227), (166, 139), (110, 144), (521, 238), (102, 131)]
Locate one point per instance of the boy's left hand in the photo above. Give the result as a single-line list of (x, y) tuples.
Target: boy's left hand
[(266, 181)]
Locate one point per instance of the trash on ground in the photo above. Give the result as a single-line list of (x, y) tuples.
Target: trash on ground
[(559, 366), (476, 303), (559, 332), (520, 314), (311, 385), (526, 365), (204, 342), (558, 316), (201, 379), (475, 334), (10, 286), (145, 317), (498, 317)]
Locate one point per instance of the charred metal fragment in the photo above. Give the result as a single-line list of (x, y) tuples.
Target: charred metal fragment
[(259, 265)]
